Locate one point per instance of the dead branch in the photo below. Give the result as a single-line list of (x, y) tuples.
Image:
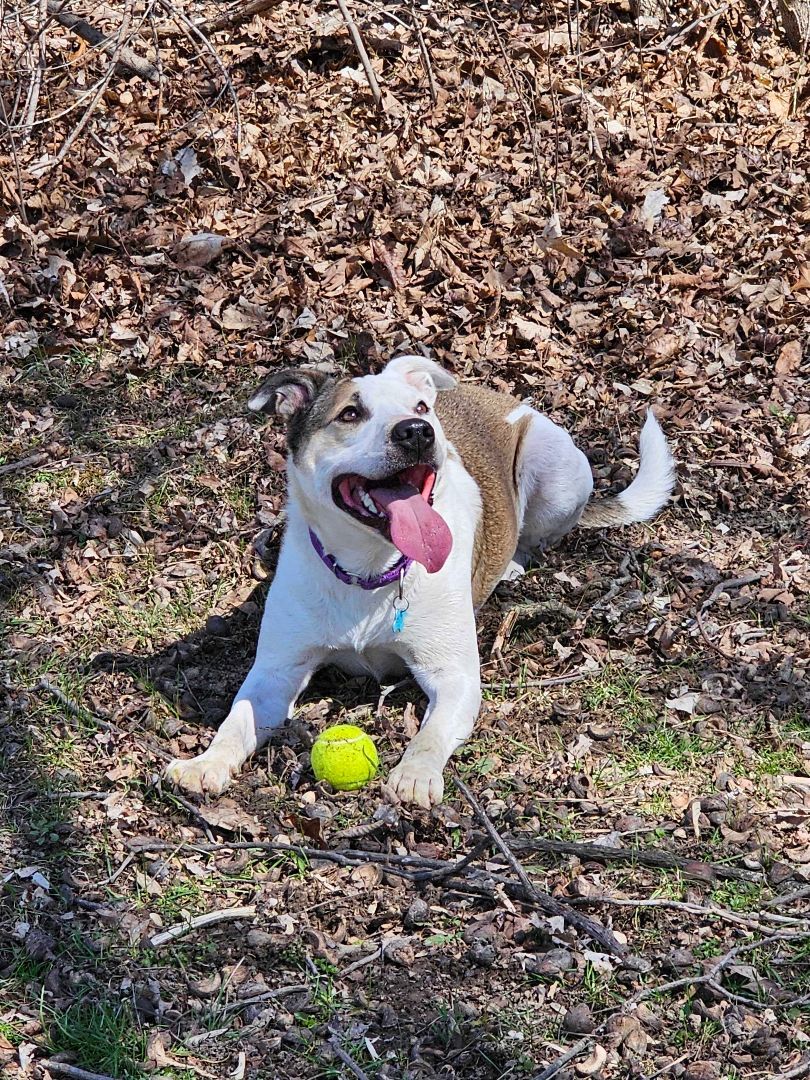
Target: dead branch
[(33, 459), (751, 922), (93, 36), (652, 857), (371, 78), (102, 85), (711, 978), (549, 904), (425, 54), (560, 1062), (334, 1044), (209, 919), (236, 16), (73, 1072), (520, 96), (196, 34), (268, 995)]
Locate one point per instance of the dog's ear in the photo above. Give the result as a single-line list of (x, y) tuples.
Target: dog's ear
[(421, 372), (289, 392)]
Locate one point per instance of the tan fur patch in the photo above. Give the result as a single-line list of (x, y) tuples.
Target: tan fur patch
[(474, 420)]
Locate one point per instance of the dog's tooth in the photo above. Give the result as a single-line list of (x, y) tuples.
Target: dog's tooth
[(368, 502)]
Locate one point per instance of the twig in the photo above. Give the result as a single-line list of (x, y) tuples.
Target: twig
[(340, 1053), (563, 1059), (103, 83), (555, 680), (727, 586), (425, 54), (710, 979), (802, 1069), (787, 898), (268, 995), (371, 78), (549, 904), (751, 922), (668, 43), (510, 68), (62, 1068), (125, 56), (36, 79), (236, 15), (211, 917), (361, 962), (454, 868), (32, 459), (652, 857), (192, 30)]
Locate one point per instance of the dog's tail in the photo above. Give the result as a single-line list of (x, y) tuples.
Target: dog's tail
[(649, 490)]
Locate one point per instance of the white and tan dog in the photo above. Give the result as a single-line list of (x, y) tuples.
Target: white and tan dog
[(409, 499)]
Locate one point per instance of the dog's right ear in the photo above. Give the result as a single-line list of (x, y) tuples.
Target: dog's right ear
[(289, 392)]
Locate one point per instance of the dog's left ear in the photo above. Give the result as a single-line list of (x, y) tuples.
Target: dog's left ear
[(289, 392), (420, 372)]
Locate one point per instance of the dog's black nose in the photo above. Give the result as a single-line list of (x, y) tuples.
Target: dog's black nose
[(413, 435)]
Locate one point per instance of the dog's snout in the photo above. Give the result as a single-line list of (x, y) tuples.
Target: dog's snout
[(415, 436)]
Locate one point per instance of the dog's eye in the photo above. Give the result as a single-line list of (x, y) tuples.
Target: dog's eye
[(350, 415), (421, 408)]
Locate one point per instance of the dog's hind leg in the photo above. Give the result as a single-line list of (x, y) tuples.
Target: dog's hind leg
[(554, 483)]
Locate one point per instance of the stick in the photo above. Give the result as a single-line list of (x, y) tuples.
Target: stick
[(237, 15), (24, 463), (61, 1068), (425, 54), (371, 78), (341, 1054), (751, 922), (117, 49), (652, 857), (562, 1061), (594, 930), (125, 56), (710, 979), (802, 1069), (211, 917), (192, 31), (268, 995), (507, 60)]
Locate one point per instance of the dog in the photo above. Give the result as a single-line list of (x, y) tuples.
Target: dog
[(409, 498)]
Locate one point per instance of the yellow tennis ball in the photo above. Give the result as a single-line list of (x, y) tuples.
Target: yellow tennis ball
[(345, 756)]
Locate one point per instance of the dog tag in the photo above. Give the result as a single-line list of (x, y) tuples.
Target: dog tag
[(400, 608)]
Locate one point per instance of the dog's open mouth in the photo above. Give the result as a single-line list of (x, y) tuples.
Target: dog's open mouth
[(400, 507)]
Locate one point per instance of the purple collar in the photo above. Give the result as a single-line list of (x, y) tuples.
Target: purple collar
[(401, 566)]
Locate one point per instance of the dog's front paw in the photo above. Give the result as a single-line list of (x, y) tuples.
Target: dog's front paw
[(416, 781), (208, 774)]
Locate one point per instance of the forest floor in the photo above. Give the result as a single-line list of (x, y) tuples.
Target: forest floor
[(592, 212)]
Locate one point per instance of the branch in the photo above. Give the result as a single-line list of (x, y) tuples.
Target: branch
[(183, 928), (61, 1068), (563, 1059), (124, 56), (237, 15), (549, 904), (652, 857), (371, 78)]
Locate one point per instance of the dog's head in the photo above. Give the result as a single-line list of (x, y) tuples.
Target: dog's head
[(369, 448)]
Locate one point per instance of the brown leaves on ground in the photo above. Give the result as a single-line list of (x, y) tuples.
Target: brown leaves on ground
[(612, 217)]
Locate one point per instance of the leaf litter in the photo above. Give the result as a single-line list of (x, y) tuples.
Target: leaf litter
[(552, 205)]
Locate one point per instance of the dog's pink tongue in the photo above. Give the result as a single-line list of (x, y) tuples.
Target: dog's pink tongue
[(416, 529)]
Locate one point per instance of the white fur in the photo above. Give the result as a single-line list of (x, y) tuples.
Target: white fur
[(312, 619), (653, 483)]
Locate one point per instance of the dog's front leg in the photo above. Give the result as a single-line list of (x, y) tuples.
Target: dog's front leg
[(261, 705), (454, 696)]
